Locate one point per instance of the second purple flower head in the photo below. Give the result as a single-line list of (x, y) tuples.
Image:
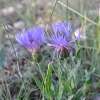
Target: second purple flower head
[(60, 38)]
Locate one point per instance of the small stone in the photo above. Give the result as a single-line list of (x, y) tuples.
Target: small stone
[(10, 14), (7, 11), (19, 25)]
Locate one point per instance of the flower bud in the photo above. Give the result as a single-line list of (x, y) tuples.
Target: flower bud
[(36, 57), (64, 54)]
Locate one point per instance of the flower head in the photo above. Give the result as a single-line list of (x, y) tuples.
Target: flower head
[(60, 39), (31, 39)]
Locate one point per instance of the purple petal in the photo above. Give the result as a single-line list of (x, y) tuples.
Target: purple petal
[(57, 50), (35, 46), (78, 33), (67, 29), (22, 38), (60, 27), (54, 28)]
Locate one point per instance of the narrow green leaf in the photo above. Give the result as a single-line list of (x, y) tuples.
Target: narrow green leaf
[(70, 97), (72, 83), (73, 71), (48, 82), (87, 85), (39, 84), (55, 70), (60, 91), (66, 86), (78, 53), (78, 94), (2, 57)]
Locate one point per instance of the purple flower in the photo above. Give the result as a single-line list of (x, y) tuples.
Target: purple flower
[(31, 39), (60, 38)]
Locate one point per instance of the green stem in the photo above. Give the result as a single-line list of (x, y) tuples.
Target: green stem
[(52, 11), (60, 90), (79, 14), (2, 22), (43, 77), (67, 11), (41, 72)]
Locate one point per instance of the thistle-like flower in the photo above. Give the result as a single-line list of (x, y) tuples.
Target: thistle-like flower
[(60, 39), (31, 40)]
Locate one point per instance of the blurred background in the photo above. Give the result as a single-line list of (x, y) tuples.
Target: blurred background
[(19, 14)]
